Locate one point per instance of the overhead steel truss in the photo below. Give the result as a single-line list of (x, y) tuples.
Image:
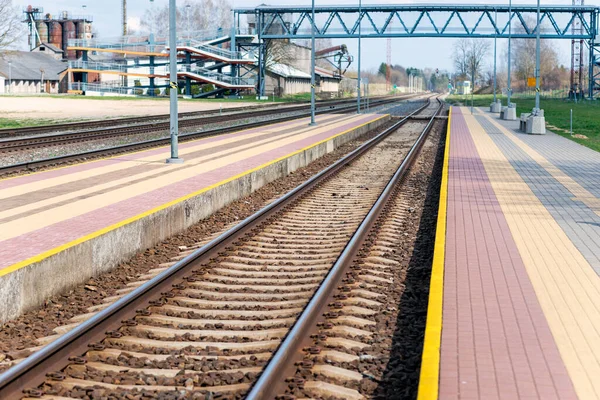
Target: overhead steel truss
[(422, 20), (429, 20)]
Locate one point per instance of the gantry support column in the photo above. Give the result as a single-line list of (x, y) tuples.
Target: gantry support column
[(188, 81), (84, 75)]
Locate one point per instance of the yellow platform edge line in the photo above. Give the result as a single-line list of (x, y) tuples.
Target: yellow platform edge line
[(56, 250), (430, 360)]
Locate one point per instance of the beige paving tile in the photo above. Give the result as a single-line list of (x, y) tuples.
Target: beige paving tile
[(567, 287), (160, 157), (51, 216), (579, 192), (171, 171)]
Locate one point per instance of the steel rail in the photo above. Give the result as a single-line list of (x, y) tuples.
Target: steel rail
[(32, 165), (31, 372), (273, 376), (70, 126), (54, 139)]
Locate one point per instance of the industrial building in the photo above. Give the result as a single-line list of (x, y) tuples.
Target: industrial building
[(293, 76), (24, 72), (46, 29)]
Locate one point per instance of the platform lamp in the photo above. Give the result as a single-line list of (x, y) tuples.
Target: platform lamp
[(508, 84), (312, 68), (188, 8), (495, 49), (174, 122), (537, 59)]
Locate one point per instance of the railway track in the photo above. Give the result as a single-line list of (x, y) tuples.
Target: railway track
[(62, 139), (110, 123), (238, 307), (17, 142)]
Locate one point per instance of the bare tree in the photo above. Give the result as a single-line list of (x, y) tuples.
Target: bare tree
[(279, 52), (468, 57), (10, 24), (460, 56), (320, 44), (201, 14), (553, 75), (524, 51)]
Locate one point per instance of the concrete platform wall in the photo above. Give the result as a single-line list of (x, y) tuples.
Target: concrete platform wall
[(30, 286)]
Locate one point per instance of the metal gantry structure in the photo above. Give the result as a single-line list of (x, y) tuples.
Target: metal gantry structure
[(425, 20), (577, 59)]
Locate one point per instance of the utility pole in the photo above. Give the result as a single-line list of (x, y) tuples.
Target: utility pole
[(187, 9), (495, 48), (359, 33), (312, 69), (509, 90), (537, 59), (174, 122), (124, 16)]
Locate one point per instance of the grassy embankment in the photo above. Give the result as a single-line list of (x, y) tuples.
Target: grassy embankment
[(586, 115), (6, 123)]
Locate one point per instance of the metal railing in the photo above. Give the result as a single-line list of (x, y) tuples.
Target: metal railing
[(101, 87), (116, 67), (126, 42), (207, 48), (217, 77)]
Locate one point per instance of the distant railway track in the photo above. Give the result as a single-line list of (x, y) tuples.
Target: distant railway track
[(74, 137), (108, 123), (232, 316), (133, 124)]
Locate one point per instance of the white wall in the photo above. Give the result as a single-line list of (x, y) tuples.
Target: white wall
[(27, 87), (2, 85)]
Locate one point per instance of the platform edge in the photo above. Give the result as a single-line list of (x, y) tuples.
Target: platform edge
[(430, 360), (49, 253)]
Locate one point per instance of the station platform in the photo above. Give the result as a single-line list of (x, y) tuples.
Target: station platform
[(514, 302), (59, 227)]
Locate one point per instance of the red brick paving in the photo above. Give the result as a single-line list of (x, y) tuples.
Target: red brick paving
[(53, 173), (496, 342), (45, 239)]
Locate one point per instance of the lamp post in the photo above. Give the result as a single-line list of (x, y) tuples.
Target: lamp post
[(312, 68), (188, 7), (508, 89), (359, 33), (174, 122), (495, 48), (10, 77), (537, 59)]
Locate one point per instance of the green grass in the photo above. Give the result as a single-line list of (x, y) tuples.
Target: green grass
[(27, 122), (586, 115)]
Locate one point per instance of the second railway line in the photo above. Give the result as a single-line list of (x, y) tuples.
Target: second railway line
[(210, 320), (22, 154), (17, 141)]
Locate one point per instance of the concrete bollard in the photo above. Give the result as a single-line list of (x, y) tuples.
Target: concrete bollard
[(536, 123), (510, 112)]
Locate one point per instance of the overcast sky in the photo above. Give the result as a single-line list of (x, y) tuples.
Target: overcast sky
[(421, 53)]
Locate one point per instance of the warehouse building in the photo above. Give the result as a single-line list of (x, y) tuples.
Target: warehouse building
[(24, 72)]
